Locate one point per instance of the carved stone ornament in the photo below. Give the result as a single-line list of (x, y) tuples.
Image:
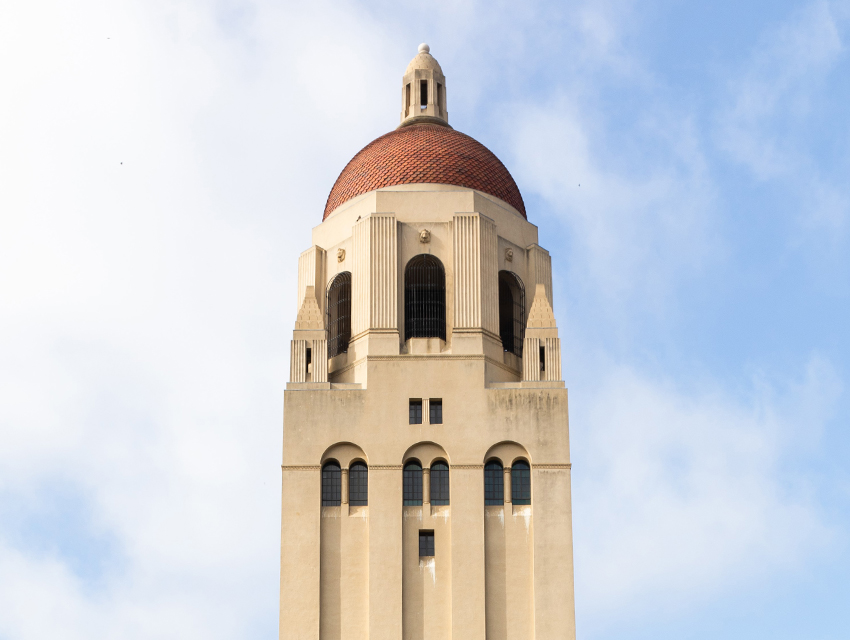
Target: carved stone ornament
[(509, 255), (340, 255), (424, 236)]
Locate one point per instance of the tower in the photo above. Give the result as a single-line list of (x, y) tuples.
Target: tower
[(426, 464)]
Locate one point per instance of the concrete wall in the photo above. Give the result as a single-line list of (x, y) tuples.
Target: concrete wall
[(499, 572)]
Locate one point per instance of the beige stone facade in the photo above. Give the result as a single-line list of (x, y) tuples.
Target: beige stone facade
[(357, 571)]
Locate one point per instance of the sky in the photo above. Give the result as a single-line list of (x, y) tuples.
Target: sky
[(162, 163)]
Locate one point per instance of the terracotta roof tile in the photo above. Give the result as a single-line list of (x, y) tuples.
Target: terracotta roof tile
[(424, 153)]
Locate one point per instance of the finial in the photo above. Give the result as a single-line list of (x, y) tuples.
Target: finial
[(424, 48)]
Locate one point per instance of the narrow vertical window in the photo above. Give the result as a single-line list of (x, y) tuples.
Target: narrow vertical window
[(426, 544), (308, 361), (331, 484), (415, 411), (423, 94), (339, 314), (358, 485), (412, 484), (511, 312), (521, 483), (439, 483), (424, 298), (494, 483), (435, 411), (407, 100), (543, 358), (439, 98)]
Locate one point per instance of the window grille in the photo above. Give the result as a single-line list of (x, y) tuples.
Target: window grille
[(494, 483), (521, 483), (511, 312), (424, 298), (415, 412), (439, 483), (358, 485), (426, 544), (412, 484), (331, 485), (339, 314), (435, 411)]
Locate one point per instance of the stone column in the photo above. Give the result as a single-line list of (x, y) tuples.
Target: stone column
[(311, 273), (374, 283)]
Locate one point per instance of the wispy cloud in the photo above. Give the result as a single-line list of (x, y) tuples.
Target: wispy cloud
[(637, 224), (770, 123), (682, 493)]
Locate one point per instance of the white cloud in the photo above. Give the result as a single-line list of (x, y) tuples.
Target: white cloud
[(637, 223), (145, 306), (770, 123), (159, 180), (682, 493)]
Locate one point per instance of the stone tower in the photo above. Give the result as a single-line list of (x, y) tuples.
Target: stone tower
[(426, 461)]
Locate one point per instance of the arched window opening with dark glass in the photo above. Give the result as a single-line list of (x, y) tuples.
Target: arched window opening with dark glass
[(339, 314), (358, 485), (413, 484), (521, 482), (494, 483), (511, 312), (424, 298), (439, 483), (331, 484)]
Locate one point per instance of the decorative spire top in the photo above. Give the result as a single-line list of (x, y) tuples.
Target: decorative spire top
[(423, 91), (540, 315)]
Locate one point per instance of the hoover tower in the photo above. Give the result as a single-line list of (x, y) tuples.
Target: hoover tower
[(426, 460)]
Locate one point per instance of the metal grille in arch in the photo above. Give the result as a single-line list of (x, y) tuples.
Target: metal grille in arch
[(424, 298), (511, 312), (339, 314)]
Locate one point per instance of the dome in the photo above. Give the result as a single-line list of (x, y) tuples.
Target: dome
[(424, 60), (424, 153)]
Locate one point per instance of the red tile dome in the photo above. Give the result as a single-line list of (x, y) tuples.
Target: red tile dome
[(424, 153)]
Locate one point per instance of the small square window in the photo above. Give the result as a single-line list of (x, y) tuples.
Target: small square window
[(415, 411), (426, 544), (436, 410)]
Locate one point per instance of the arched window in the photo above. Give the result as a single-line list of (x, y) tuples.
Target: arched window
[(331, 484), (439, 483), (424, 298), (494, 483), (521, 482), (511, 312), (358, 484), (339, 314), (412, 483)]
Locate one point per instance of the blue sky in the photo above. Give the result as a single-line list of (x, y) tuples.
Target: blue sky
[(162, 165)]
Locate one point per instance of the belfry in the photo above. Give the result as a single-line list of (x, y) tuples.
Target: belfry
[(426, 462)]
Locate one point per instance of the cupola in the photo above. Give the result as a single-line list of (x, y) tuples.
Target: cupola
[(423, 91)]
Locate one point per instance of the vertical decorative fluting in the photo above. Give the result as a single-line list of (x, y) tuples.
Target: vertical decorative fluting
[(374, 276), (476, 284), (319, 360), (531, 359), (311, 273), (552, 349), (298, 361), (489, 276), (466, 272)]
